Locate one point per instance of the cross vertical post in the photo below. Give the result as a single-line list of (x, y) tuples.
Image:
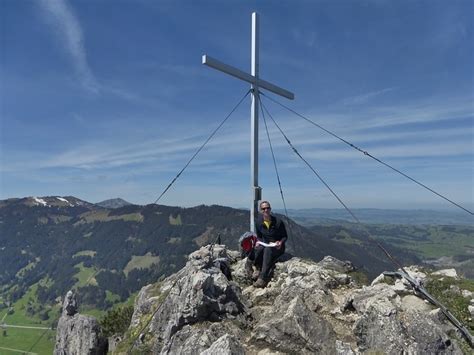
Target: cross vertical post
[(256, 84), (255, 189)]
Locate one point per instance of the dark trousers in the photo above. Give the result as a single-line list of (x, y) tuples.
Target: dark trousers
[(265, 258)]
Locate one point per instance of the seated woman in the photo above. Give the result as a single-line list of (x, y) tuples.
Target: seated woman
[(270, 230)]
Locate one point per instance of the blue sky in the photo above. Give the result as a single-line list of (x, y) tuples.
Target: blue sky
[(103, 99)]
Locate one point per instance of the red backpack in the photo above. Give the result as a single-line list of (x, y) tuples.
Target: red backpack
[(247, 242)]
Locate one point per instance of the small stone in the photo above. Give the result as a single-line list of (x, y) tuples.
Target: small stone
[(343, 348), (401, 285), (336, 311), (455, 289), (225, 345), (415, 273), (413, 303), (471, 310), (447, 272), (378, 279), (332, 263), (438, 315)]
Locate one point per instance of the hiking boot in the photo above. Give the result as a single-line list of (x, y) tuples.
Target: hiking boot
[(249, 269), (255, 275), (260, 283)]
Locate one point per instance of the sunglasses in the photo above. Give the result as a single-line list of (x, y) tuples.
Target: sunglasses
[(266, 208)]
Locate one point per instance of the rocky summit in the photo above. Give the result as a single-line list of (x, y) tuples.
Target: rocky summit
[(210, 307)]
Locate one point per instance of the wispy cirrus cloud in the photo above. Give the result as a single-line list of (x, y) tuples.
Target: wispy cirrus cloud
[(171, 151), (364, 98), (60, 15), (376, 116)]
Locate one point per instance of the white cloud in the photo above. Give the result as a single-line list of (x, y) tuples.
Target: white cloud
[(364, 98), (170, 153), (430, 110), (67, 27)]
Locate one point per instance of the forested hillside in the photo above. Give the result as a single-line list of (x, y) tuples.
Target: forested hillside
[(52, 244)]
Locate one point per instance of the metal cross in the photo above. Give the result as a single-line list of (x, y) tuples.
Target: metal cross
[(256, 84)]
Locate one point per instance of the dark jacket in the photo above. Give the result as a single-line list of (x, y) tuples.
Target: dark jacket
[(276, 232)]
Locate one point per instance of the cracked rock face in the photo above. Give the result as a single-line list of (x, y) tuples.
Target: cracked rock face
[(306, 308), (198, 294), (295, 329), (77, 334)]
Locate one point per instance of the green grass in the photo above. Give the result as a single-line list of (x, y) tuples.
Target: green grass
[(24, 339), (90, 253), (439, 240), (130, 300), (28, 267), (21, 338), (103, 216), (84, 276), (345, 237), (175, 221), (441, 245), (112, 297), (97, 313), (141, 262), (359, 277), (100, 313), (440, 289), (19, 317)]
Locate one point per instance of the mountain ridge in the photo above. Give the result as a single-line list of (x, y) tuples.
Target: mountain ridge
[(51, 244), (62, 238), (113, 203)]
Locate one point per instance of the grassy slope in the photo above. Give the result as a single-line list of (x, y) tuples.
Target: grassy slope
[(24, 339), (85, 276), (141, 262)]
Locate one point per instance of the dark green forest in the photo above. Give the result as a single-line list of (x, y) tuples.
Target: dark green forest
[(107, 254)]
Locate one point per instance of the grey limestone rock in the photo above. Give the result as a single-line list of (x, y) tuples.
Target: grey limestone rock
[(296, 330), (427, 335), (225, 345), (343, 348), (330, 262), (204, 338), (392, 324), (199, 293), (447, 272), (306, 308), (77, 334)]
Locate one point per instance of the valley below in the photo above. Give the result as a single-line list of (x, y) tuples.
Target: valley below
[(106, 255)]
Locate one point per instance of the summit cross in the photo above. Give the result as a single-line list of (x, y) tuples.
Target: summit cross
[(255, 84)]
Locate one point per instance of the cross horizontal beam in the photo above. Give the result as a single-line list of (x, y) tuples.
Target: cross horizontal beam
[(216, 64)]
